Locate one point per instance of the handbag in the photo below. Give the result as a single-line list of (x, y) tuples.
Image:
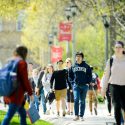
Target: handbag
[(33, 114)]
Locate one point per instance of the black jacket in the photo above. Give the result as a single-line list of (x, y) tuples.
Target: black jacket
[(39, 83)]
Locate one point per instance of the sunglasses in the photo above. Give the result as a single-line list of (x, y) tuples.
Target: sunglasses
[(67, 62)]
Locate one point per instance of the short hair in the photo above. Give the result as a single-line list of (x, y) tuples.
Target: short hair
[(80, 53), (30, 63), (60, 61)]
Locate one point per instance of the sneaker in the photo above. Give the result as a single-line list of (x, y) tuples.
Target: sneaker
[(95, 109), (64, 113), (81, 119), (68, 113), (76, 118), (58, 114), (109, 114), (71, 113)]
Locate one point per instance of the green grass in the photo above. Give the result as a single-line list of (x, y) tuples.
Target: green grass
[(16, 120)]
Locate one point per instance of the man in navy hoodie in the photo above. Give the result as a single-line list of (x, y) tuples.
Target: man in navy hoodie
[(80, 75)]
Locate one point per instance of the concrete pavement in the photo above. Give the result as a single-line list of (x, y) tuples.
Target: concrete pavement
[(100, 119)]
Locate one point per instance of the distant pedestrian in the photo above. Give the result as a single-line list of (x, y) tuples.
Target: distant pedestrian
[(40, 91), (70, 97), (93, 92), (33, 80), (46, 83)]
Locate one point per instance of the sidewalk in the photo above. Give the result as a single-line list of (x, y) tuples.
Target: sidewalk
[(100, 119)]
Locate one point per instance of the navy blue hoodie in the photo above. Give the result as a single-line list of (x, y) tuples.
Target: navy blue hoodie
[(80, 74)]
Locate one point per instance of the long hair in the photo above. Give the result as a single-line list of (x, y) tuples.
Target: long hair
[(21, 51)]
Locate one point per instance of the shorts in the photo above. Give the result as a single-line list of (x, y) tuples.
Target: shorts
[(60, 94)]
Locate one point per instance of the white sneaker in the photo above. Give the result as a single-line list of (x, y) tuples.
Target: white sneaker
[(76, 118), (81, 119), (47, 112)]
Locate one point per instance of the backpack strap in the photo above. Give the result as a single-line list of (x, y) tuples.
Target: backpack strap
[(111, 62)]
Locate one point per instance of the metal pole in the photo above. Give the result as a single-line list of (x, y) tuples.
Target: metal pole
[(49, 54), (67, 49), (73, 41), (106, 44)]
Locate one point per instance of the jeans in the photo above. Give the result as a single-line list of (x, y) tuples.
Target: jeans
[(43, 102), (13, 108), (79, 99)]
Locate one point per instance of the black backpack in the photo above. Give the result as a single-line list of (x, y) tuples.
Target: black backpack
[(111, 62)]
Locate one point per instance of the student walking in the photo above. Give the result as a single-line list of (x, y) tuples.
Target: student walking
[(60, 77), (93, 91), (70, 97), (40, 91), (33, 80), (15, 101), (47, 77), (80, 75), (115, 76), (46, 82)]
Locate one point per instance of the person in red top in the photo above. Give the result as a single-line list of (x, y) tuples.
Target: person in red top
[(16, 100)]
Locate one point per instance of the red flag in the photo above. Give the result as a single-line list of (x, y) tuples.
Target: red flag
[(65, 31), (56, 53)]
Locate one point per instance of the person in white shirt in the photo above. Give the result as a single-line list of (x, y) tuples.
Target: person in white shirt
[(46, 81), (46, 78), (115, 75)]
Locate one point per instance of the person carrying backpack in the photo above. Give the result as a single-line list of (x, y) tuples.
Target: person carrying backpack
[(115, 75), (16, 99)]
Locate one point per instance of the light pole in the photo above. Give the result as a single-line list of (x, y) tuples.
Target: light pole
[(106, 25), (71, 12), (54, 32), (50, 43)]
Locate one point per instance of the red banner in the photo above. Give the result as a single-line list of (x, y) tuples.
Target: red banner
[(56, 53), (65, 31)]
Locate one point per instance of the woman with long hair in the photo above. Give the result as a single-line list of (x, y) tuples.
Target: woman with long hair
[(15, 101), (115, 75)]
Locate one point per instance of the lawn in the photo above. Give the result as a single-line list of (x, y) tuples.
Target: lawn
[(15, 120)]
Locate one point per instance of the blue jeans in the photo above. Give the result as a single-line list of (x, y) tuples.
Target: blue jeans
[(13, 108), (79, 99), (43, 100)]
